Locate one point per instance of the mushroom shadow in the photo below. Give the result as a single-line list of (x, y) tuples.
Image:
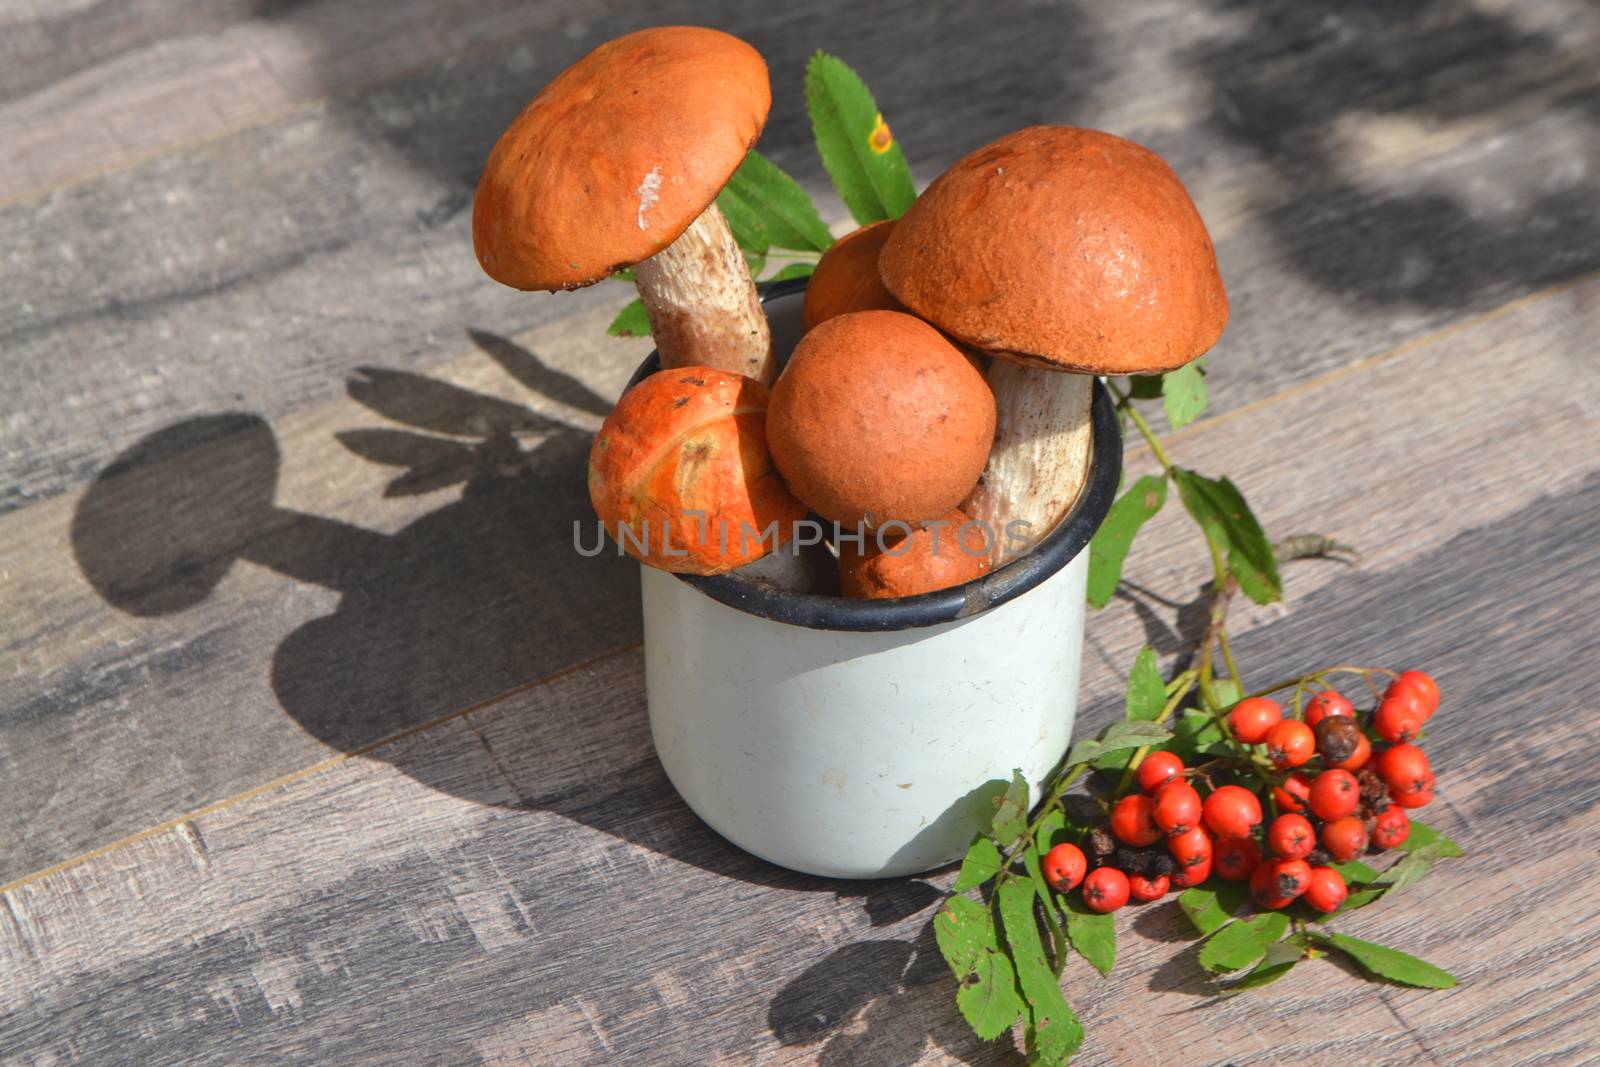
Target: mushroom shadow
[(469, 601)]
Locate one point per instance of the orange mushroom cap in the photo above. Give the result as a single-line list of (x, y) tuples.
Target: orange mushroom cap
[(879, 417), (846, 278), (1066, 248), (617, 156)]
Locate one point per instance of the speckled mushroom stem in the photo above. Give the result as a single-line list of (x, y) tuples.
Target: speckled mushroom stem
[(1040, 458), (703, 305)]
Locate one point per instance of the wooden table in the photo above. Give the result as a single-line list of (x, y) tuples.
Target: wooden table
[(318, 746)]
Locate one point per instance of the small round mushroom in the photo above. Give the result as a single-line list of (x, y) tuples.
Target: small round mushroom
[(878, 417), (617, 163), (846, 278), (1057, 250), (951, 551)]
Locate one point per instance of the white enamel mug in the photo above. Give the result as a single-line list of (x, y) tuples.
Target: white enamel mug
[(865, 738)]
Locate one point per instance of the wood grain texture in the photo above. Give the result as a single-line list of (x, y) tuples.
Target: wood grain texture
[(314, 272), (520, 880)]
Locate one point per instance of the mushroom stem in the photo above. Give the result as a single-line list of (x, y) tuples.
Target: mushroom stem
[(703, 305), (1040, 458)]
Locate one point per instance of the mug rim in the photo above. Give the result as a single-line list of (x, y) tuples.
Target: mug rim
[(818, 612)]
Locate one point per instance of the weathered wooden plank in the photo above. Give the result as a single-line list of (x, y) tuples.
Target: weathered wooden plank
[(522, 878), (266, 264)]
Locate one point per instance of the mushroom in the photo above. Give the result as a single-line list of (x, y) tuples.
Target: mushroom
[(877, 418), (617, 163), (1057, 250), (846, 278)]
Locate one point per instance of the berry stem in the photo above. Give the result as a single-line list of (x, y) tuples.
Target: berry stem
[(1145, 431), (1176, 691)]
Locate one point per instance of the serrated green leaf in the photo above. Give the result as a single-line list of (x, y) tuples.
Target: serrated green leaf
[(1144, 386), (1117, 736), (1193, 732), (1011, 816), (1183, 394), (1422, 834), (1053, 1031), (1358, 899), (745, 222), (1228, 692), (1220, 509), (1412, 868), (787, 217), (1052, 823), (858, 152), (1354, 872), (1210, 907), (1147, 693), (1093, 935), (631, 321), (1239, 944), (791, 270), (981, 864), (986, 982), (1108, 549), (1275, 963), (1390, 963)]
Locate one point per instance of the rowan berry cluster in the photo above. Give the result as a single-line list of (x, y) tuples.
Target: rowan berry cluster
[(1336, 783)]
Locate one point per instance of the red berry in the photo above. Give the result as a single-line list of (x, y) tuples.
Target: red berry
[(1413, 800), (1391, 828), (1328, 702), (1063, 867), (1405, 767), (1232, 811), (1276, 883), (1359, 758), (1145, 889), (1178, 808), (1251, 719), (1237, 858), (1192, 848), (1157, 769), (1334, 794), (1294, 794), (1291, 837), (1133, 820), (1345, 839), (1326, 890), (1105, 889), (1185, 877), (1399, 716), (1422, 685), (1291, 743)]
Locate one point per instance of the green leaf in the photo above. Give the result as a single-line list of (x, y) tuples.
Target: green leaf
[(631, 321), (1050, 824), (1093, 935), (1239, 944), (762, 191), (1183, 394), (986, 983), (745, 221), (791, 270), (1390, 963), (1117, 736), (1053, 1031), (1358, 899), (1413, 867), (1275, 963), (1228, 692), (1220, 509), (1011, 815), (1147, 693), (1144, 386), (1193, 732), (981, 864), (1422, 834), (1210, 908), (1109, 546), (1355, 872), (871, 176)]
